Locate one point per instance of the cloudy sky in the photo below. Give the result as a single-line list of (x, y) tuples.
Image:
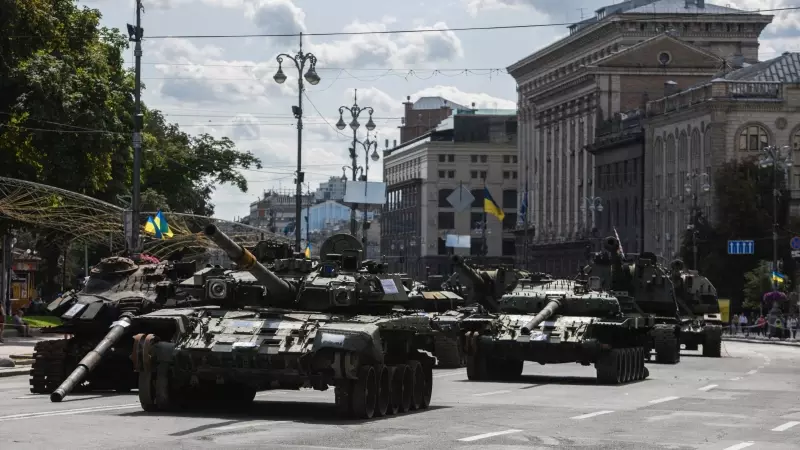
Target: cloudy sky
[(225, 86)]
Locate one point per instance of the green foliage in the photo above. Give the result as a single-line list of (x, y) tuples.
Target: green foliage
[(756, 283), (743, 199)]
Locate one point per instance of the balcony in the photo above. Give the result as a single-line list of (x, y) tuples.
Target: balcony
[(725, 90)]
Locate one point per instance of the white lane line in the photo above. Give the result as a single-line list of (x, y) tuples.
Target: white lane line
[(594, 414), (752, 372), (66, 412), (740, 446), (252, 424), (488, 435), (483, 394), (708, 388), (736, 379), (662, 400), (786, 426)]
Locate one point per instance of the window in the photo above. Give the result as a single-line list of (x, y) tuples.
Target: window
[(442, 250), (451, 174), (506, 159), (509, 198), (514, 159), (473, 174), (447, 220), (441, 174), (796, 140), (509, 247), (514, 174), (451, 158), (509, 221), (475, 221), (506, 174), (478, 194), (442, 158), (476, 246), (443, 194), (484, 158), (483, 174), (473, 158), (753, 138)]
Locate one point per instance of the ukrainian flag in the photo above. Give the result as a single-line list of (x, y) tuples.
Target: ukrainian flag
[(778, 277), (162, 225), (151, 228), (490, 206), (307, 253)]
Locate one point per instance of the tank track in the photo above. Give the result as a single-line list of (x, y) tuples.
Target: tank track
[(712, 341), (666, 344), (621, 365), (447, 349), (49, 367)]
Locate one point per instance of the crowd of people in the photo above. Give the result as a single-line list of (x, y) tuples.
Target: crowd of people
[(783, 327)]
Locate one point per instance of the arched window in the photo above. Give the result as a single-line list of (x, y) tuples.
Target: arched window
[(683, 158), (707, 150), (670, 162), (658, 168), (753, 138), (695, 151)]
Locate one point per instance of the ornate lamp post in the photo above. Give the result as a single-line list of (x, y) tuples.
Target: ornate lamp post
[(355, 112), (367, 145), (776, 158), (704, 187), (299, 60), (593, 204)]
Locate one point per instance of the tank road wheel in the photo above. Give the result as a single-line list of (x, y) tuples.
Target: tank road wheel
[(164, 389), (639, 363), (49, 367), (477, 367), (712, 343), (365, 393), (384, 390), (147, 391), (418, 385), (667, 346), (610, 367), (449, 351), (395, 390), (407, 397), (427, 363), (630, 354)]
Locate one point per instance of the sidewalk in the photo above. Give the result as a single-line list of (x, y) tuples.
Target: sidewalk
[(761, 340), (16, 353)]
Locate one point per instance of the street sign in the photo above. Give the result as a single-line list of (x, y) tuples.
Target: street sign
[(741, 247), (461, 199), (795, 243), (795, 253)]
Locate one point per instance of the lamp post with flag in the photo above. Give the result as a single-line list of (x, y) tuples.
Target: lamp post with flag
[(490, 206)]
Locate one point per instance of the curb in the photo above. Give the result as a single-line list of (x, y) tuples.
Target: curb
[(14, 372), (754, 341)]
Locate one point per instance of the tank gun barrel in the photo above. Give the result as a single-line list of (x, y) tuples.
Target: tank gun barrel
[(545, 313), (92, 359), (469, 272), (246, 261)]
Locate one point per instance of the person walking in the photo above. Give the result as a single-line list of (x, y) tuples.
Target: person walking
[(743, 325), (793, 324)]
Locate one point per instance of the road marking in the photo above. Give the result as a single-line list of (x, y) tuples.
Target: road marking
[(736, 379), (752, 372), (66, 412), (786, 426), (251, 424), (740, 446), (490, 393), (662, 400), (487, 435), (586, 416), (708, 388)]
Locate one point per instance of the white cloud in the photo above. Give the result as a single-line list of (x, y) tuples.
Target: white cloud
[(454, 94), (277, 17), (200, 75)]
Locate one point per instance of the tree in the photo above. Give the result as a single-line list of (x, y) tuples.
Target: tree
[(756, 283)]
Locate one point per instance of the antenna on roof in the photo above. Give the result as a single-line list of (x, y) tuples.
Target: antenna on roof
[(581, 10)]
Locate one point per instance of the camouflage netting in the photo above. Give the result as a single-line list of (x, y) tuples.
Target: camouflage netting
[(89, 220)]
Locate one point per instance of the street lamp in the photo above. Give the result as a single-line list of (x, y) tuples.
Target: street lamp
[(367, 145), (311, 76), (704, 187), (355, 112), (775, 157), (593, 204)]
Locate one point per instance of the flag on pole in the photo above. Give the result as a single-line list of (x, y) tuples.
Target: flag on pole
[(621, 250), (161, 223), (778, 277), (490, 206), (307, 253), (151, 228)]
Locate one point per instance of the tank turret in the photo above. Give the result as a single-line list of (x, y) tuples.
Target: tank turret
[(488, 285)]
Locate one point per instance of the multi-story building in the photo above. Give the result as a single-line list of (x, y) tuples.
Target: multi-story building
[(733, 116), (276, 210), (333, 189), (606, 65), (424, 115), (618, 151), (473, 149)]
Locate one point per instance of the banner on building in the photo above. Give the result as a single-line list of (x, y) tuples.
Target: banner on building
[(365, 192), (725, 309), (458, 241)]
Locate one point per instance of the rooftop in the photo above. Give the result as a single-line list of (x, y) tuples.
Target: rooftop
[(436, 103), (783, 69)]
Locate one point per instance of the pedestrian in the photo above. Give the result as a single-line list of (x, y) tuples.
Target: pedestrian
[(793, 326), (743, 325), (761, 325), (734, 323)]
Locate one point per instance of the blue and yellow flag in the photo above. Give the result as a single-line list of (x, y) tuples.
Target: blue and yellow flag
[(490, 206), (307, 253), (778, 277), (162, 225), (151, 228)]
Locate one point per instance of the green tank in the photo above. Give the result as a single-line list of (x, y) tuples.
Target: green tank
[(316, 326), (551, 322)]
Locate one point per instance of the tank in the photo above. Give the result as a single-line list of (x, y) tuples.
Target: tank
[(95, 355), (553, 321), (318, 326), (701, 319)]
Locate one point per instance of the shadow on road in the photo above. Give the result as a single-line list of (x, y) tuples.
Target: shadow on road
[(542, 380)]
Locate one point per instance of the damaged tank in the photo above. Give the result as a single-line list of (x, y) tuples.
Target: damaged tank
[(551, 322), (315, 327), (96, 355)]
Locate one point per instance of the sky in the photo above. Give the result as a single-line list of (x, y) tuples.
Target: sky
[(224, 86)]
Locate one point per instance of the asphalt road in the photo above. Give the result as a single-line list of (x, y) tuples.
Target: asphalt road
[(749, 399)]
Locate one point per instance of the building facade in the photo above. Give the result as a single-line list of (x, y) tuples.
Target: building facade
[(690, 133), (333, 189), (618, 151), (424, 115), (275, 211), (606, 65), (473, 149)]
